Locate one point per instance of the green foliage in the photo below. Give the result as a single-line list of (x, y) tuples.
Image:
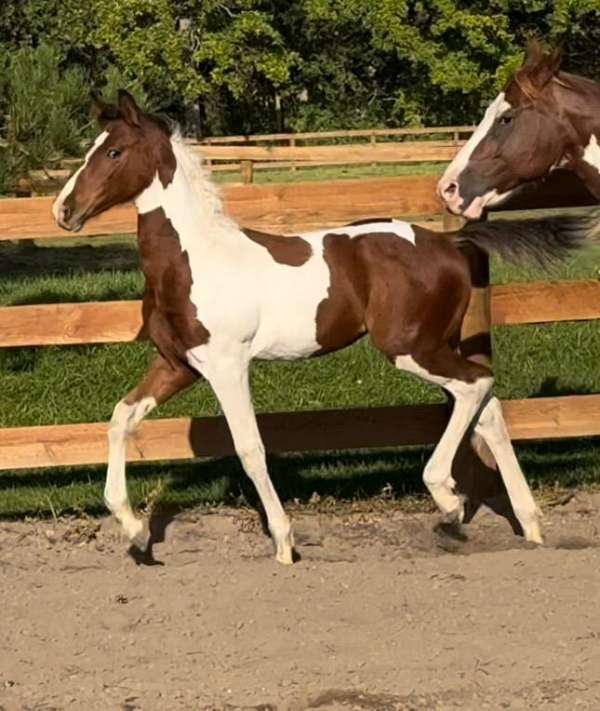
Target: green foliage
[(233, 66), (45, 109)]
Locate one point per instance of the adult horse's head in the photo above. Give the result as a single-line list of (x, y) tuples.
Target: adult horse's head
[(131, 150), (524, 134)]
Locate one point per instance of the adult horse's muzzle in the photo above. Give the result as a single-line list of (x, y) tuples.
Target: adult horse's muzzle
[(447, 189)]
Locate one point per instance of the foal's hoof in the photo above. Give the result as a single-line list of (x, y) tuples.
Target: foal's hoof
[(532, 532), (284, 550), (141, 538)]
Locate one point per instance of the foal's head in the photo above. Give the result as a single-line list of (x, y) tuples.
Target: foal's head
[(523, 135), (131, 150)]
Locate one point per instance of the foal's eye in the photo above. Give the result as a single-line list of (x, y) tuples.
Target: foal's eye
[(506, 119), (113, 154)]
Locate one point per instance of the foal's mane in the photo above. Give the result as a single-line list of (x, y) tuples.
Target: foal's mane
[(198, 176)]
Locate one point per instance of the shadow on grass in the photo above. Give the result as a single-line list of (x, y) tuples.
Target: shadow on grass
[(344, 476), (26, 259)]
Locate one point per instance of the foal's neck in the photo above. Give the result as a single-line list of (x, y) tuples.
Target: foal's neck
[(189, 201)]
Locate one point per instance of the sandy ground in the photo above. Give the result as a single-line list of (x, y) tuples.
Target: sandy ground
[(382, 612)]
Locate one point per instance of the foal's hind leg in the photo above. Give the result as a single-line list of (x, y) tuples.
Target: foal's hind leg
[(492, 428), (161, 381), (469, 383)]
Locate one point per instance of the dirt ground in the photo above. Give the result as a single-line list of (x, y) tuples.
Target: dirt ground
[(381, 612)]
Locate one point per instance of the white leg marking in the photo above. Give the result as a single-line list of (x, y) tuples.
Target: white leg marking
[(492, 428), (124, 420), (591, 153), (438, 470), (229, 379)]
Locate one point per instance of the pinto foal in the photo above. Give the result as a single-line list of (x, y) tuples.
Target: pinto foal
[(217, 296)]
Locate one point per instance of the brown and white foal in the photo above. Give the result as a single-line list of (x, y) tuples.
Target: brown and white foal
[(217, 296), (544, 119)]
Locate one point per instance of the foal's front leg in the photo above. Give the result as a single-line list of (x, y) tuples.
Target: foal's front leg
[(228, 376), (160, 383)]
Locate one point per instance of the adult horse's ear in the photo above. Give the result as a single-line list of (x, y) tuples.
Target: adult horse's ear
[(540, 67), (130, 111)]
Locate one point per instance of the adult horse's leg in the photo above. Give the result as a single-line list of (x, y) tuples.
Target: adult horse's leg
[(160, 383), (469, 383), (228, 376), (492, 428)]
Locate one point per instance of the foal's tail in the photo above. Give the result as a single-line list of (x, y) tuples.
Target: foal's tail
[(542, 240)]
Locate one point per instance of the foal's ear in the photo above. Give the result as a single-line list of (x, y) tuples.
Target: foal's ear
[(130, 111), (101, 110), (540, 67)]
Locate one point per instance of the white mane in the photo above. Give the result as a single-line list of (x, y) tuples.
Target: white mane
[(199, 178)]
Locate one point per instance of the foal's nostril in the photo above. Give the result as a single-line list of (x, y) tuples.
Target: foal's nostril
[(449, 189), (65, 212)]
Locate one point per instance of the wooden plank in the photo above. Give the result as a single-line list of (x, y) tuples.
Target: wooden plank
[(31, 218), (541, 302), (121, 321), (71, 324), (187, 438), (409, 152), (283, 207), (349, 133)]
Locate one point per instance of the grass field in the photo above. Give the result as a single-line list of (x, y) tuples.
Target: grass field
[(82, 384), (334, 172)]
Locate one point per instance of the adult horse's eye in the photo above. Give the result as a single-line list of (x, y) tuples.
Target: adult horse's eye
[(113, 154), (505, 119)]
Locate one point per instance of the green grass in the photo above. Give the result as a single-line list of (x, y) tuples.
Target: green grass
[(334, 172), (82, 384)]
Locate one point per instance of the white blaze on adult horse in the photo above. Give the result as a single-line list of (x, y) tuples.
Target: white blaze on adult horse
[(543, 120), (217, 296)]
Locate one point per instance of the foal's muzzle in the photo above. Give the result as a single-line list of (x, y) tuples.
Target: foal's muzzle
[(69, 221)]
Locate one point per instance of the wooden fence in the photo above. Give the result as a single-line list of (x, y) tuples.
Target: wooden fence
[(287, 208), (246, 154), (236, 153)]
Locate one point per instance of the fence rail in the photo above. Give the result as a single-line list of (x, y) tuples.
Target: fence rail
[(187, 438), (121, 321), (370, 133)]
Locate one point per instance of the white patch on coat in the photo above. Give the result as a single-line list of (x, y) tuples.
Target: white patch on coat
[(459, 163), (395, 227), (70, 184), (240, 293), (591, 154), (468, 397)]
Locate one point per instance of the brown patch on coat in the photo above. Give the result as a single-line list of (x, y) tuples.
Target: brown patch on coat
[(162, 380), (293, 251), (410, 298), (170, 317), (340, 317)]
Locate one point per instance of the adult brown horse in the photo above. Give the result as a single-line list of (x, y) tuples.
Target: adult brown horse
[(544, 119), (217, 296)]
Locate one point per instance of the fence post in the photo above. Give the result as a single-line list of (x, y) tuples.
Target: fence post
[(292, 144), (474, 468), (247, 171), (373, 142)]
